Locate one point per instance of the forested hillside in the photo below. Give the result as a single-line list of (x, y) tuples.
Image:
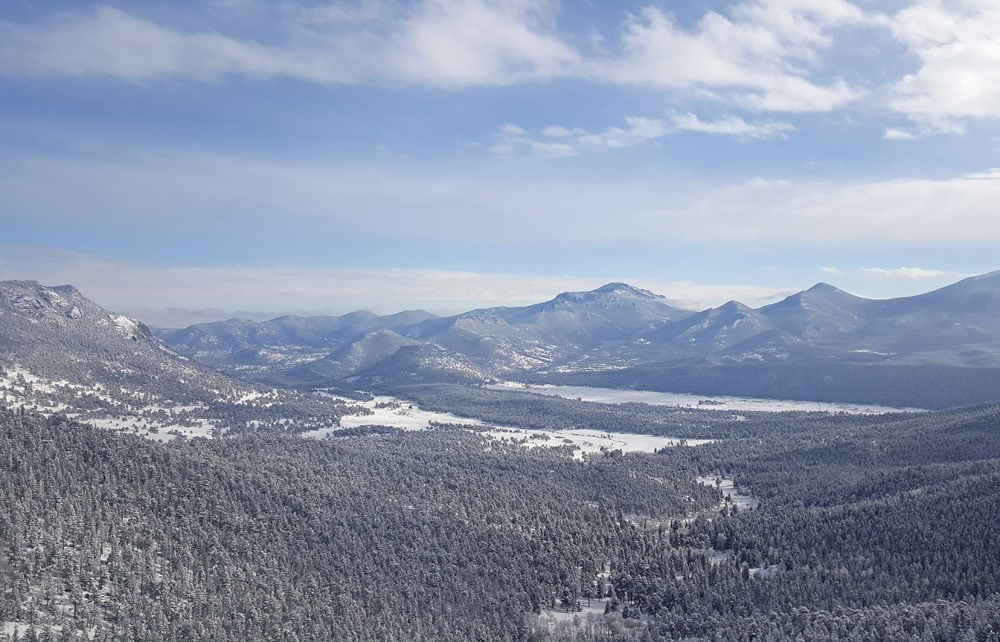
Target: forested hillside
[(422, 536), (860, 528)]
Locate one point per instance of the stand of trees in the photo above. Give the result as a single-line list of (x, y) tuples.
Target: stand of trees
[(438, 535), (866, 528)]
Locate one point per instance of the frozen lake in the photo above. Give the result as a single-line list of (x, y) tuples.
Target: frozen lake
[(703, 402)]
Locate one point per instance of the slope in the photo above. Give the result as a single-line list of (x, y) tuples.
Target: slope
[(61, 352)]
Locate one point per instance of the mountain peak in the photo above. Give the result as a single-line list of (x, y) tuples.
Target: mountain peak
[(617, 287), (824, 292), (825, 288), (733, 305), (607, 294)]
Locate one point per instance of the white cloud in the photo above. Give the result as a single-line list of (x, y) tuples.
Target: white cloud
[(761, 53), (892, 133), (509, 129), (558, 131), (445, 43), (557, 141), (911, 273), (832, 271), (113, 43), (233, 197), (732, 126), (462, 42), (757, 55), (957, 44), (543, 149), (946, 212), (777, 56), (638, 131)]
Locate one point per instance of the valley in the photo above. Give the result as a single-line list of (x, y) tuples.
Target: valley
[(148, 496), (499, 321)]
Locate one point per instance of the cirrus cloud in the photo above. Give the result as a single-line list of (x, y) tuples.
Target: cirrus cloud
[(911, 273), (778, 56)]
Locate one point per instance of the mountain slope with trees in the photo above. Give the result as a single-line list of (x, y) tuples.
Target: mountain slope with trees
[(61, 352), (446, 535)]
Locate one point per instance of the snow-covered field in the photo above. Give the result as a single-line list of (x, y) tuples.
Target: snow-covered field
[(144, 414), (590, 611), (585, 440), (704, 402), (155, 430), (390, 411), (725, 485)]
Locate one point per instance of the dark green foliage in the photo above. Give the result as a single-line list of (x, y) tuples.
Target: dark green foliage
[(887, 531), (879, 527), (418, 536)]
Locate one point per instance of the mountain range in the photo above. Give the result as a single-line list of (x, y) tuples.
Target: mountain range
[(932, 350), (618, 335)]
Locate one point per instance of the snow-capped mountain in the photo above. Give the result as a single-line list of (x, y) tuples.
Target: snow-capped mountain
[(61, 352), (613, 327), (549, 334), (601, 334), (420, 364)]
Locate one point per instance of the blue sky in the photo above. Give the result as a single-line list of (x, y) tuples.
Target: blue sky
[(188, 161)]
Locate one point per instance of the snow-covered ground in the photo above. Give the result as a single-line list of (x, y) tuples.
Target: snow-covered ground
[(158, 419), (741, 500), (124, 410), (155, 430), (590, 611), (390, 411), (704, 402), (585, 440), (19, 387)]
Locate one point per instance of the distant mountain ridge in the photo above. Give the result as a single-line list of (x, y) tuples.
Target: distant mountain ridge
[(818, 344), (483, 343), (245, 346), (612, 329)]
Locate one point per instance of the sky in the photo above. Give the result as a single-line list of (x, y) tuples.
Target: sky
[(192, 161)]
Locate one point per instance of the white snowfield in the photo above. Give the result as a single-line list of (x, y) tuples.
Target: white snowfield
[(703, 402), (729, 491), (397, 413), (588, 441), (389, 411)]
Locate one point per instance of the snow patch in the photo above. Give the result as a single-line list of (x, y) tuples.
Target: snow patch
[(704, 402), (588, 441), (125, 326)]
